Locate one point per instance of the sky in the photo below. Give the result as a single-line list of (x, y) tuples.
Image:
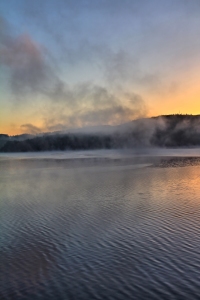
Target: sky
[(67, 64)]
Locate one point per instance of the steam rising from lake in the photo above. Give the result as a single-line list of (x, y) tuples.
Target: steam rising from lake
[(100, 225)]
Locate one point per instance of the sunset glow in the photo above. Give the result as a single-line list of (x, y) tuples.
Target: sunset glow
[(70, 64)]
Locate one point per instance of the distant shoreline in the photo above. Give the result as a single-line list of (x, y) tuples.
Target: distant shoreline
[(171, 131)]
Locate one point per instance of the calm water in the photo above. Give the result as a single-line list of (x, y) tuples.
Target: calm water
[(108, 229)]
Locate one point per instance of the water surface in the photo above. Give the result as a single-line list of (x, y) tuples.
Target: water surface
[(110, 228)]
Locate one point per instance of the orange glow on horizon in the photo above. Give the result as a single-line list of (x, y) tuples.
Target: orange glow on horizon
[(178, 103)]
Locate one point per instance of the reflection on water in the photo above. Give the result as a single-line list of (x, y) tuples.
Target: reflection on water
[(111, 231)]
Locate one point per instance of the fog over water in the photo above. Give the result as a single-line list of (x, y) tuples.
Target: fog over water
[(100, 154), (105, 224), (99, 150)]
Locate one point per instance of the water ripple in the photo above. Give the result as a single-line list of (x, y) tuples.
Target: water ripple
[(104, 233)]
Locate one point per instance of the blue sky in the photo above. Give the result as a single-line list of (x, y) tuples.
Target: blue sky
[(84, 63)]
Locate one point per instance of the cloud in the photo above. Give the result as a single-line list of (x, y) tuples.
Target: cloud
[(87, 106), (30, 128), (92, 105), (25, 61), (64, 105)]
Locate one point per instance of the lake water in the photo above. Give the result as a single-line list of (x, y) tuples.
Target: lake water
[(100, 225)]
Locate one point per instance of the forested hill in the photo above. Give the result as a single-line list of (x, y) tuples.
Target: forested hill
[(162, 131), (176, 131)]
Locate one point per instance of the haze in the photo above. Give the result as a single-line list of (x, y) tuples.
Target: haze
[(69, 64)]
